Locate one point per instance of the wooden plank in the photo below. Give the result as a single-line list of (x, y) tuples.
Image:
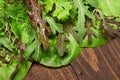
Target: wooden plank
[(102, 63), (39, 72)]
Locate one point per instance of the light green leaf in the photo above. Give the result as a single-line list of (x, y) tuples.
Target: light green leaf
[(93, 3), (56, 27), (23, 70), (37, 54), (6, 42), (49, 5), (51, 57), (6, 70), (99, 40), (110, 7), (81, 20), (30, 49), (62, 8)]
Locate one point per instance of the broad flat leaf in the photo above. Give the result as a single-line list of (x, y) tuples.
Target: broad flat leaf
[(52, 59), (93, 3), (110, 7), (23, 70), (6, 70)]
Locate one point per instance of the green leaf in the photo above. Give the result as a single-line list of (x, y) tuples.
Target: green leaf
[(56, 27), (62, 8), (49, 5), (1, 8), (61, 44), (23, 31), (37, 54), (30, 49), (6, 70), (93, 3), (19, 22), (6, 42), (51, 57), (81, 20), (23, 70), (110, 7), (99, 40)]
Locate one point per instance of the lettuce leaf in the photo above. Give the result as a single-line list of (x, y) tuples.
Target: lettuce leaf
[(6, 70), (110, 7), (51, 57)]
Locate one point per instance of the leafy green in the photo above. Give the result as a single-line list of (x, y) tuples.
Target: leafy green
[(13, 26), (93, 3), (51, 57), (99, 40), (23, 70), (61, 44), (37, 54), (110, 7), (56, 27), (6, 43), (6, 70), (81, 19), (20, 24), (30, 49), (62, 8), (52, 32)]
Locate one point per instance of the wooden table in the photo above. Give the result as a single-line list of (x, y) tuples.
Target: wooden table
[(102, 63)]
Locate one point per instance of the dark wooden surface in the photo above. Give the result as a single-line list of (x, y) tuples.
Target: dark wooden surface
[(102, 63)]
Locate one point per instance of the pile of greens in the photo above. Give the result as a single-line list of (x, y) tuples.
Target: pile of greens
[(52, 32)]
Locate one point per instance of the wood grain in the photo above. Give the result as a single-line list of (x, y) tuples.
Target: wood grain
[(101, 63)]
